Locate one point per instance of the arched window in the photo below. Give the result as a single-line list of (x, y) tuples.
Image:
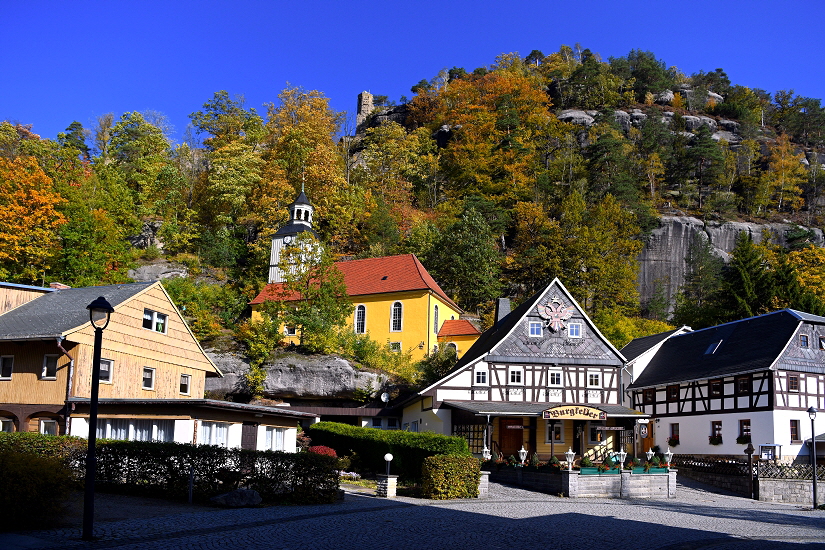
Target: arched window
[(453, 346), (395, 320), (360, 319), (435, 320)]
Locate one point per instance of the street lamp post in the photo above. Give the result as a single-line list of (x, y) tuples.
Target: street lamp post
[(812, 416), (99, 312)]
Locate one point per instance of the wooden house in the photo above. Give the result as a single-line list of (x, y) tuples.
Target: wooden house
[(152, 371), (713, 391), (543, 377)]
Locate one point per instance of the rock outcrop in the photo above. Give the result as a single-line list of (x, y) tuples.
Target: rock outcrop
[(662, 260), (157, 271), (294, 375)]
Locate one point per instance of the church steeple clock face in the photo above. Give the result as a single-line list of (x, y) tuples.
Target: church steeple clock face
[(288, 240)]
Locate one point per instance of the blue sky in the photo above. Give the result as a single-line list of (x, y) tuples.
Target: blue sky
[(75, 60)]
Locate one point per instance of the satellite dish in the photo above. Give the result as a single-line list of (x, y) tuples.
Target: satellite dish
[(385, 397)]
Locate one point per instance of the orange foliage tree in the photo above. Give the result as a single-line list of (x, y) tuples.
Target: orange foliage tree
[(29, 220)]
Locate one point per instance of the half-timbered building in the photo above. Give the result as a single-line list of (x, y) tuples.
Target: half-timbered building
[(713, 391), (543, 377)]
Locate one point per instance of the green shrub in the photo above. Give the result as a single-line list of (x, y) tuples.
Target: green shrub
[(71, 451), (409, 449), (450, 476), (586, 462), (32, 489)]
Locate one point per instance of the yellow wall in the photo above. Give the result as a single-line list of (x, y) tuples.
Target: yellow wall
[(462, 342), (416, 321)]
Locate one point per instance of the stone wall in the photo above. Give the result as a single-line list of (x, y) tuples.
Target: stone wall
[(735, 484), (790, 491), (574, 485)]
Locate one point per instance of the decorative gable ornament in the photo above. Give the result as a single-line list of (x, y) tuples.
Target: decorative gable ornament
[(555, 313)]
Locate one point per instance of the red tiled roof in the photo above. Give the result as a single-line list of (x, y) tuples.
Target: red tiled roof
[(374, 276), (457, 327)]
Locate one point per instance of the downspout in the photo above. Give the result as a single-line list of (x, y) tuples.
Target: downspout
[(69, 379)]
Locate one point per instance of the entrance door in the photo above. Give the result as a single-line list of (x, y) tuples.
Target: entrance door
[(579, 433), (249, 436), (511, 437)]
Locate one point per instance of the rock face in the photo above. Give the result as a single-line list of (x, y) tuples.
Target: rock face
[(157, 272), (295, 375), (662, 260)]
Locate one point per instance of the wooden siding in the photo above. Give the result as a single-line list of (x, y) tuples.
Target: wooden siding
[(126, 334), (26, 384), (11, 297)]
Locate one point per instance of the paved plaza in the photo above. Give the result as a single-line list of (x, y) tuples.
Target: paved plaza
[(509, 519)]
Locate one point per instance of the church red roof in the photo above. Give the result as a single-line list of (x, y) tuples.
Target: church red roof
[(457, 327), (374, 276)]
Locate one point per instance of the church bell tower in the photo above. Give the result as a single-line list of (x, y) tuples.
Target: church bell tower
[(300, 219)]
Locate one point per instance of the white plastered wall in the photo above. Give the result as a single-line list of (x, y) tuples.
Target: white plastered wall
[(434, 420)]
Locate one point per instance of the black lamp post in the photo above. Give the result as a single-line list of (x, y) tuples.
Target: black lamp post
[(812, 415), (99, 312)]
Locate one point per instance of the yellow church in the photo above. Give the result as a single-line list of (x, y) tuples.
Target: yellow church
[(394, 298)]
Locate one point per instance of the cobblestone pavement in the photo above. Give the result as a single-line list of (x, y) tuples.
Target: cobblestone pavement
[(510, 518)]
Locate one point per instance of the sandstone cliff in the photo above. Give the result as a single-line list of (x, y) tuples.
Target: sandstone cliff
[(663, 258)]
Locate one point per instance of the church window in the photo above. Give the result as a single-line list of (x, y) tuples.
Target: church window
[(395, 325), (435, 319), (360, 319)]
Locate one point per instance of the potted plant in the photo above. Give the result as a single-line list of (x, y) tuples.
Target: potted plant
[(715, 439), (673, 441), (743, 439)]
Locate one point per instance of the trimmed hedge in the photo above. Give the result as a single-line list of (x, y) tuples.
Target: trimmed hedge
[(32, 489), (162, 469), (449, 476), (409, 449)]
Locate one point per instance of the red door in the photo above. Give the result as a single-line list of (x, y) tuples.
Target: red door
[(511, 436)]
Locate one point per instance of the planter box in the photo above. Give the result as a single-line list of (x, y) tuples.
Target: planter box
[(596, 472)]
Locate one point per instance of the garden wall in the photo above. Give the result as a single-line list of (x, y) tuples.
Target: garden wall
[(575, 485), (737, 484), (790, 491)]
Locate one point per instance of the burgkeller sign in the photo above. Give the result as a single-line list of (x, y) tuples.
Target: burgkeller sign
[(573, 413)]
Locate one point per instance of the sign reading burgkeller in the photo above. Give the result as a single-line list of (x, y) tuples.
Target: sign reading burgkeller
[(573, 413)]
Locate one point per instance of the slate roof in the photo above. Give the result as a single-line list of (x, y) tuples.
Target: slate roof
[(505, 408), (457, 327), (57, 313), (293, 228), (741, 347), (638, 346), (374, 276)]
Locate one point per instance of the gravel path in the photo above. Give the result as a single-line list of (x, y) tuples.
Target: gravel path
[(510, 518)]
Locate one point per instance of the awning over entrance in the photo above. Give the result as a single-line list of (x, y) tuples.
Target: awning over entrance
[(496, 408)]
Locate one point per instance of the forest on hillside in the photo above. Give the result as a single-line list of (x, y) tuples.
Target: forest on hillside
[(483, 178)]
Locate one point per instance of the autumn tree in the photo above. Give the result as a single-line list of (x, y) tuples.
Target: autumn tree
[(29, 221), (785, 175)]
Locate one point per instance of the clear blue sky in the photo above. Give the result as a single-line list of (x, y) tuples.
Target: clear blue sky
[(75, 60)]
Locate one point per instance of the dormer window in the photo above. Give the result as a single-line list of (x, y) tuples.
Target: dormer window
[(803, 340)]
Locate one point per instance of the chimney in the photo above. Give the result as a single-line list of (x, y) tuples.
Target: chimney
[(502, 309), (59, 286)]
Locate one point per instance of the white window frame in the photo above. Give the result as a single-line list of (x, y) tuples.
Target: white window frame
[(559, 427), (511, 371), (395, 346), (290, 331), (274, 440), (550, 374), (539, 330), (486, 376), (217, 432), (574, 330), (154, 318), (143, 378), (362, 309), (43, 373), (43, 422), (3, 360), (111, 365), (188, 379), (590, 383), (400, 324)]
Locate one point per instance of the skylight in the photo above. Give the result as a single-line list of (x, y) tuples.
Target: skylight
[(713, 347)]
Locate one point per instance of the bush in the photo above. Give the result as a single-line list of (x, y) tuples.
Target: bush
[(322, 450), (586, 462), (409, 449), (71, 451), (450, 476), (32, 488)]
